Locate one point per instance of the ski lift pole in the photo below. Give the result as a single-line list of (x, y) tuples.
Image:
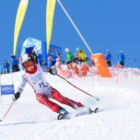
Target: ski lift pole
[(7, 112), (77, 87), (75, 27)]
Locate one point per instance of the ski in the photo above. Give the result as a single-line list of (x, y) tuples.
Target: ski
[(70, 115)]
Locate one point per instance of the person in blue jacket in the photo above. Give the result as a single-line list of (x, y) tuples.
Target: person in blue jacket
[(6, 66), (49, 62), (108, 58), (121, 58), (14, 61)]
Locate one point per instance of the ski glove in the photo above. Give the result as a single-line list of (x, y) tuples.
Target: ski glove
[(16, 96), (53, 71)]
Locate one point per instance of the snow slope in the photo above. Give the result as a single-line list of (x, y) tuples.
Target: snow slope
[(118, 120)]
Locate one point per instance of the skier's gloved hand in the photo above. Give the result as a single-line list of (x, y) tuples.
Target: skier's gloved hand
[(15, 96), (53, 71)]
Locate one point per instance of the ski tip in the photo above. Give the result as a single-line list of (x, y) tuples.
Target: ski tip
[(63, 116), (60, 116), (96, 110)]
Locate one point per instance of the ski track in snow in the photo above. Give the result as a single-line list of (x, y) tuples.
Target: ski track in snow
[(118, 120)]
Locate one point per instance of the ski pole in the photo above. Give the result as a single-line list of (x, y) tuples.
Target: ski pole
[(77, 87), (7, 112)]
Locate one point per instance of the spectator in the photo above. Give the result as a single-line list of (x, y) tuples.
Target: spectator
[(69, 58), (34, 56), (108, 58), (6, 66), (60, 56), (49, 62), (14, 61), (80, 56), (121, 58), (58, 63)]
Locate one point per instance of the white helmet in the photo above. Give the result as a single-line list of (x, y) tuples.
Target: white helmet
[(67, 50), (26, 57)]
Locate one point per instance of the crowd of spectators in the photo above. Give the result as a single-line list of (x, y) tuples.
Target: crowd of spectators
[(12, 66), (78, 58)]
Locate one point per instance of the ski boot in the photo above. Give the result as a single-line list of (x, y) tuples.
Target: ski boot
[(62, 114)]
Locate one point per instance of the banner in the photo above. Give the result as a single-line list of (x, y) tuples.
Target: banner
[(50, 7), (19, 20), (101, 65), (7, 89)]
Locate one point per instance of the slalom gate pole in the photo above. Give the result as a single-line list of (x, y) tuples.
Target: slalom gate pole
[(74, 25), (78, 88), (7, 112)]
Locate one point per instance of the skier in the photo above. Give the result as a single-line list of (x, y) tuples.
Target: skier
[(35, 77)]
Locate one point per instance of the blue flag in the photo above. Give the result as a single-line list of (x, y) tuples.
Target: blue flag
[(7, 89)]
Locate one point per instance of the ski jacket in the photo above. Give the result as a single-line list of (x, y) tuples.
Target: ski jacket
[(36, 80), (81, 55), (108, 56), (14, 60), (121, 57), (69, 56), (6, 65), (49, 63)]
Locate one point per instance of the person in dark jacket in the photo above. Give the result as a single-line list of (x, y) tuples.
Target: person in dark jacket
[(14, 61), (6, 66), (121, 58)]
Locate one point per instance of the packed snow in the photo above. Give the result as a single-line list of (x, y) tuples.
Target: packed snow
[(118, 118)]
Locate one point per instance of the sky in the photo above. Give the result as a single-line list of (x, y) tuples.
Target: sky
[(105, 25), (118, 118)]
